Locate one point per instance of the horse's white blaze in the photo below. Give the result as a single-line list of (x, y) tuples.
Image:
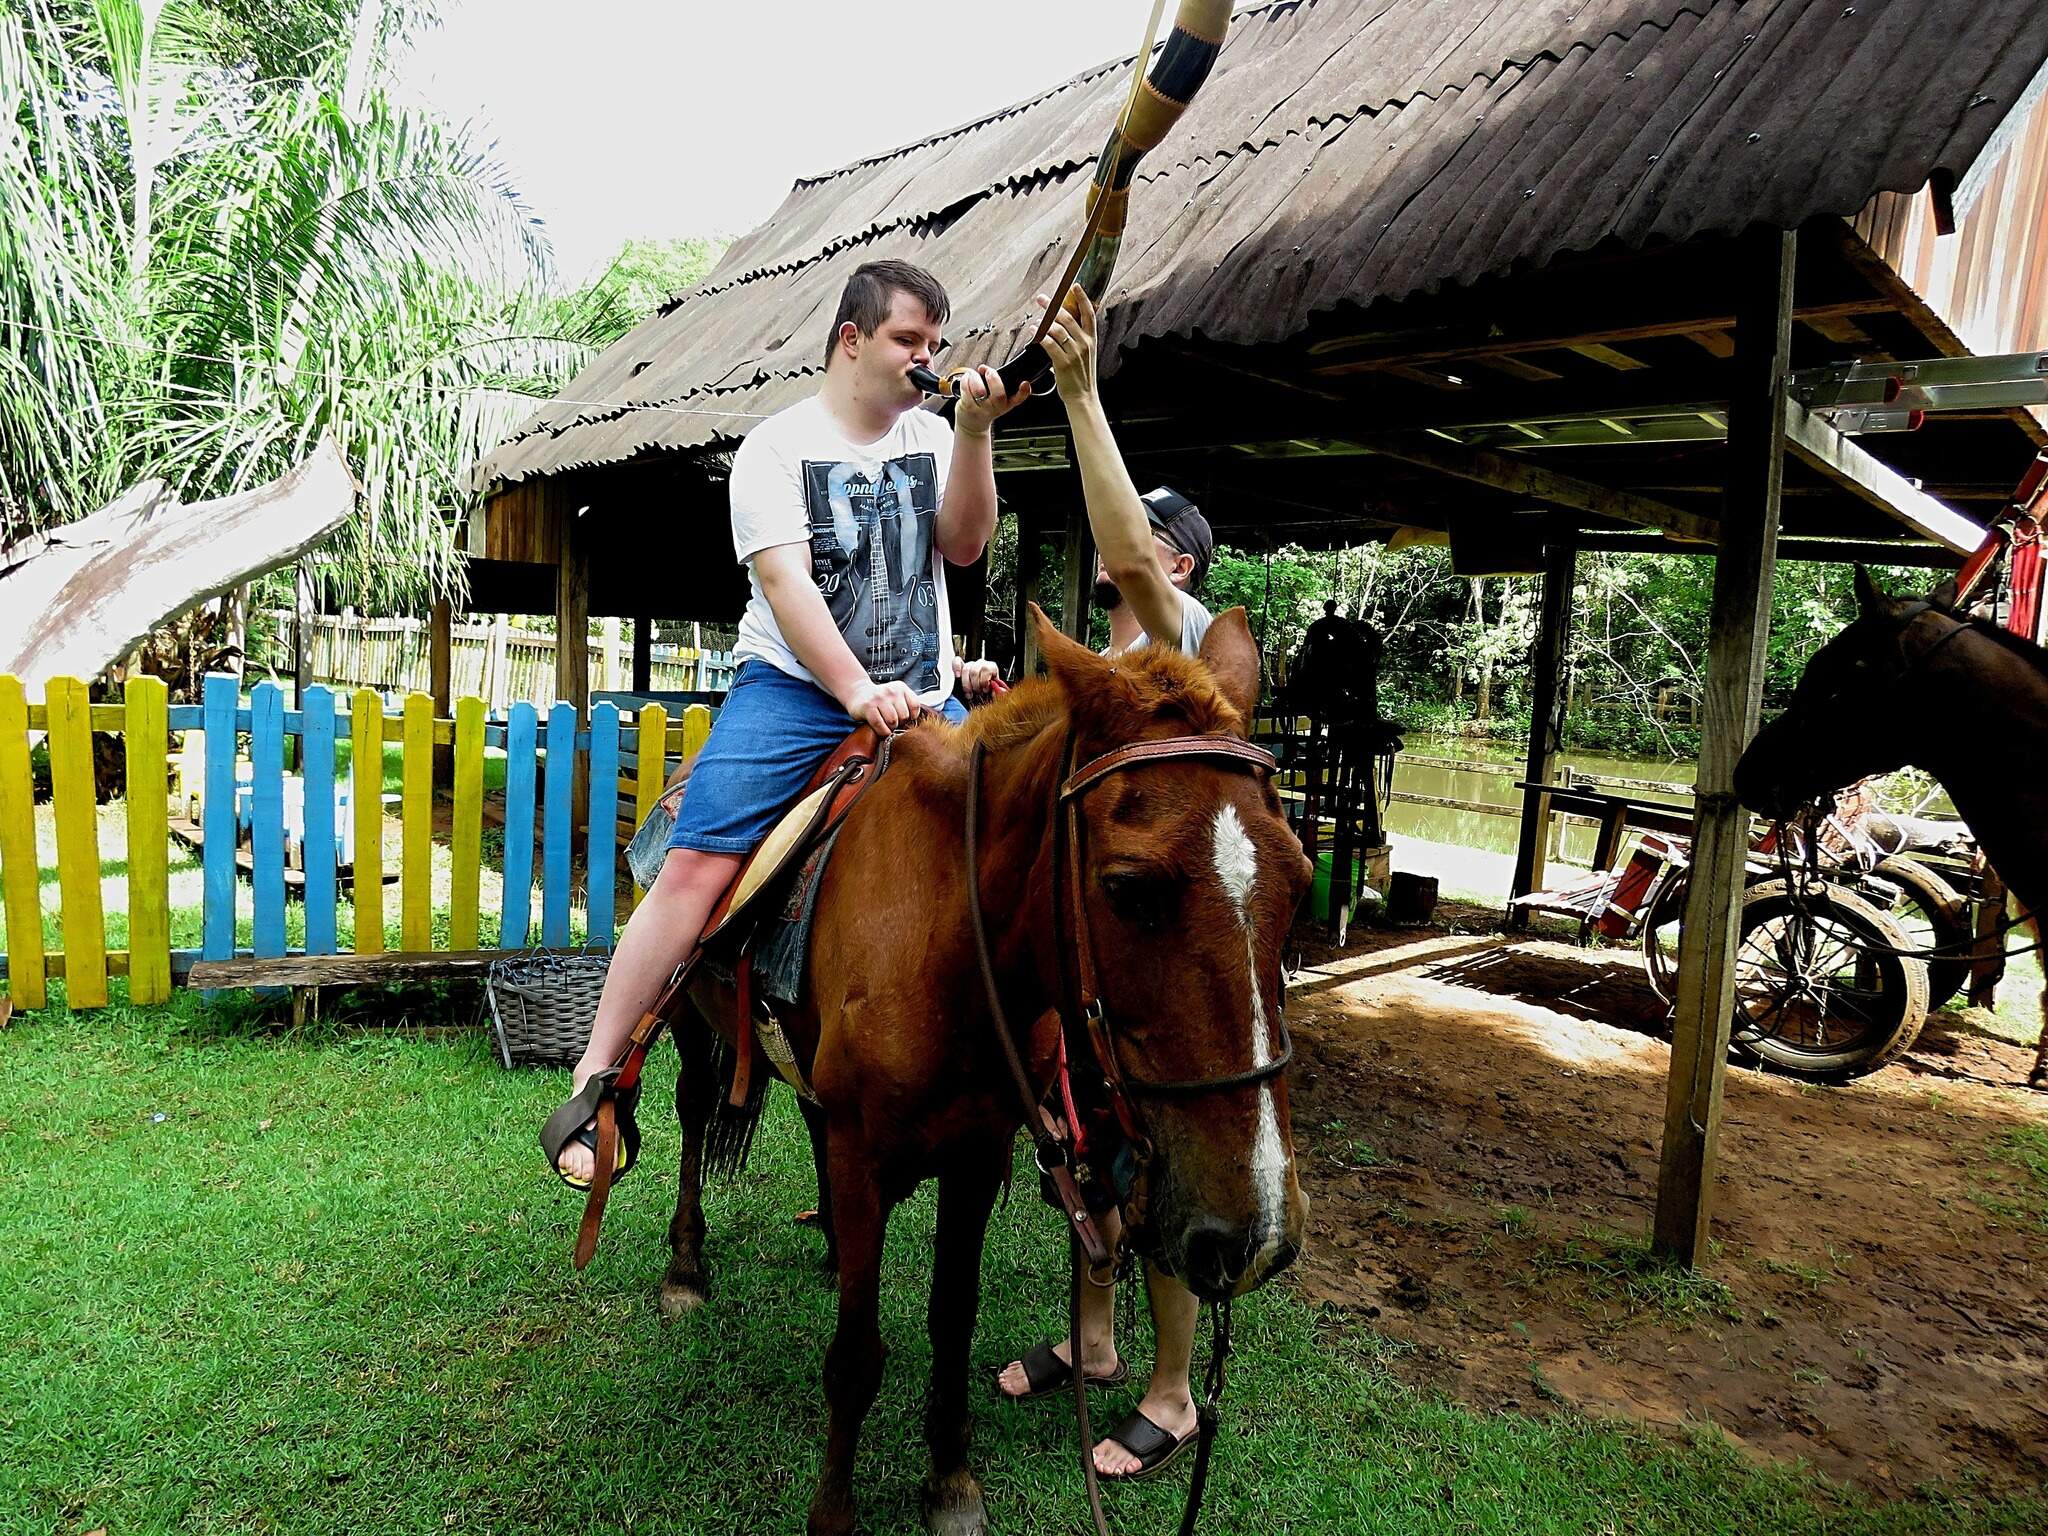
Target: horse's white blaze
[(1237, 867)]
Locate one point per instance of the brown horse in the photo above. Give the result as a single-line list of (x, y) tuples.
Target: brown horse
[(1189, 879), (1909, 683)]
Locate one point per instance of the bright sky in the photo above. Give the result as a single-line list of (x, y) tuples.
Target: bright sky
[(631, 118)]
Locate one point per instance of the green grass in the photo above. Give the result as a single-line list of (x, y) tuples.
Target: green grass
[(319, 1282)]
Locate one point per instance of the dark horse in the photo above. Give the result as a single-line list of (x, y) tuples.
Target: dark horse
[(1909, 683), (1188, 877)]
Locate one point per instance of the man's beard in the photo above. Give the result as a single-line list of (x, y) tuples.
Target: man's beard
[(1107, 597)]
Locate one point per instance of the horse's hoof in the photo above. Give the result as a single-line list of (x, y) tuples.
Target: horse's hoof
[(679, 1299), (955, 1508)]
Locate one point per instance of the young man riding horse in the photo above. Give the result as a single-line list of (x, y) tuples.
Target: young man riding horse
[(846, 509), (1154, 551)]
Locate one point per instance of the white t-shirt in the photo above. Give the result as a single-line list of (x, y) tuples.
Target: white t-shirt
[(869, 512), (1194, 626)]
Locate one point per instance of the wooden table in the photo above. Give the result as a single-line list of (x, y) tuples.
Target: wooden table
[(1615, 813)]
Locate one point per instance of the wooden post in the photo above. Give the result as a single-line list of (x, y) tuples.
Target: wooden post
[(1739, 628), (969, 592), (1546, 720), (302, 650), (1029, 534), (572, 644), (441, 680), (1079, 585), (610, 671), (643, 654), (497, 673)]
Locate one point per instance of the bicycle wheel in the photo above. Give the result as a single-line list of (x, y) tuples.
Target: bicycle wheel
[(1812, 997), (1660, 936), (1933, 915)]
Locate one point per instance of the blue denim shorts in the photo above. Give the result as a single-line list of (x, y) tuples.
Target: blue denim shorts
[(771, 734)]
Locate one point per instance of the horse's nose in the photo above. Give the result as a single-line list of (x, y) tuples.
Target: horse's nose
[(1214, 1255)]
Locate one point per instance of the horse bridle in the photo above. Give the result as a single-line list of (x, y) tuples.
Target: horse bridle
[(1081, 1008)]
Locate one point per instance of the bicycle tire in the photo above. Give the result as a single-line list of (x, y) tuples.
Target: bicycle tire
[(1883, 996)]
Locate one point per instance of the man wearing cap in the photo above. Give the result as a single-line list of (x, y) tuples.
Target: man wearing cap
[(1154, 552)]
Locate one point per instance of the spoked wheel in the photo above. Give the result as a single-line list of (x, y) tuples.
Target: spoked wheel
[(1934, 916), (1817, 995)]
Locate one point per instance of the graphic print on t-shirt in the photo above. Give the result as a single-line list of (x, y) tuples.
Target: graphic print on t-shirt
[(871, 556)]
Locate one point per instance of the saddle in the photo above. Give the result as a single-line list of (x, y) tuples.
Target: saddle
[(791, 854), (611, 1096)]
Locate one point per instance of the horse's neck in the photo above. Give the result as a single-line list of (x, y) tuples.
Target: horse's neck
[(1019, 785), (1984, 735)]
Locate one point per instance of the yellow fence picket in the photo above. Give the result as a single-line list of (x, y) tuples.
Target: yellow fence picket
[(20, 879), (696, 730), (466, 839), (650, 770), (416, 871), (366, 799), (78, 843), (146, 741)]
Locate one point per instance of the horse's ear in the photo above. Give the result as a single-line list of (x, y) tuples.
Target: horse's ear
[(1232, 657), (1870, 598), (1944, 595), (1074, 667)]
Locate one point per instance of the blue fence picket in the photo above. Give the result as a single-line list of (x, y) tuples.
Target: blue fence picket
[(519, 783), (317, 851), (266, 817), (601, 856), (217, 849), (555, 829)]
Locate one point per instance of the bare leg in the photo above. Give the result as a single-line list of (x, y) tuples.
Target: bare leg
[(1167, 1401), (685, 1285), (853, 1360), (967, 1192), (1098, 1325), (659, 936)]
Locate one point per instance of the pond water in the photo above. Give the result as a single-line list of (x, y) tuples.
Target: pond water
[(1496, 832)]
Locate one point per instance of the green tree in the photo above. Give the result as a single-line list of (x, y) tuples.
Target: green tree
[(217, 245), (646, 274)]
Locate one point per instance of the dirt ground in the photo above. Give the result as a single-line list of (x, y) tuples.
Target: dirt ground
[(1478, 1119)]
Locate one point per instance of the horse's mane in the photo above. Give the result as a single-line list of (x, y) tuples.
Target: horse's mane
[(2026, 650), (1142, 685)]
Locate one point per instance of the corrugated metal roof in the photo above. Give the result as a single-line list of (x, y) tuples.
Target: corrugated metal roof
[(1344, 151)]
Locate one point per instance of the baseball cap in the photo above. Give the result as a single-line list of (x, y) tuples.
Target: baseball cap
[(1180, 522)]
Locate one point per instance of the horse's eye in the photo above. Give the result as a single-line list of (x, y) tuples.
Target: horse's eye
[(1147, 900)]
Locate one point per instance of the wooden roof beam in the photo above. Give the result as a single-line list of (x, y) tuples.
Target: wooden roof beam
[(1816, 444), (1515, 476)]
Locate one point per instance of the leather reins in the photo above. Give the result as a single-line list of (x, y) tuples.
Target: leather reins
[(1081, 1010)]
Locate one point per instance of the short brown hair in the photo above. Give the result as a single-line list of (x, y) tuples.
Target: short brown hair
[(871, 290)]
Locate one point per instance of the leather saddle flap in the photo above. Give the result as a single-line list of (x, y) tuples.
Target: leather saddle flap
[(828, 797)]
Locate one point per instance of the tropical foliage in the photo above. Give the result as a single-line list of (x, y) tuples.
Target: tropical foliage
[(221, 238)]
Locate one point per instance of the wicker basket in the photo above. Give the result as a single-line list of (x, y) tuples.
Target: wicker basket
[(542, 1006)]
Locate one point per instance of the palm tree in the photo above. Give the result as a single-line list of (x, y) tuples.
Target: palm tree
[(203, 268)]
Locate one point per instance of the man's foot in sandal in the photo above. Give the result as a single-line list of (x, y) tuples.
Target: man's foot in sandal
[(1045, 1370), (1147, 1441), (572, 1148)]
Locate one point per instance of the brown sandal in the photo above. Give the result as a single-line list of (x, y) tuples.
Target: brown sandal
[(1046, 1373), (1154, 1447)]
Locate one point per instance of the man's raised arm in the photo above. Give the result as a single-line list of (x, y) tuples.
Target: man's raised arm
[(1116, 514)]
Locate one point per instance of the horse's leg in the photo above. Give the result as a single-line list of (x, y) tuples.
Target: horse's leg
[(685, 1285), (814, 1122), (853, 1360), (952, 1494), (2038, 1078)]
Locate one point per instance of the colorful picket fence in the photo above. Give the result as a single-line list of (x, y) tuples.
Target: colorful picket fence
[(300, 815)]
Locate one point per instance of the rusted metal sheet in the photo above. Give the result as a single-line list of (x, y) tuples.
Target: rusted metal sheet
[(1989, 280), (1342, 153)]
